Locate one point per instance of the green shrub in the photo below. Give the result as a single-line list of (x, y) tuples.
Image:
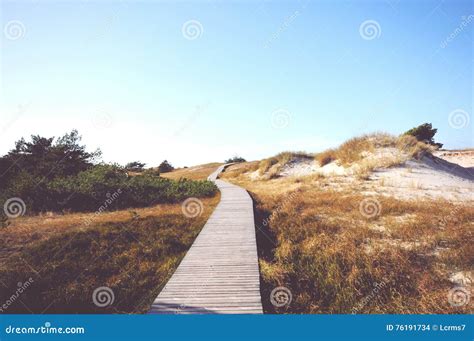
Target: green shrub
[(424, 133), (51, 174), (135, 166), (165, 167), (47, 158), (103, 186), (235, 159)]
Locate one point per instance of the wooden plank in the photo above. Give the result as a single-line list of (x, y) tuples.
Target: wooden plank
[(219, 274)]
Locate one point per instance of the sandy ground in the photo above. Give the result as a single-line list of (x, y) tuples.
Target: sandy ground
[(447, 174), (427, 178), (303, 167), (464, 158)]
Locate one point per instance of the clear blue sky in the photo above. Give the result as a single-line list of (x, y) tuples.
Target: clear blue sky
[(127, 77)]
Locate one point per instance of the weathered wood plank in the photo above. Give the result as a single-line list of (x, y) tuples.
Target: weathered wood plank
[(219, 274)]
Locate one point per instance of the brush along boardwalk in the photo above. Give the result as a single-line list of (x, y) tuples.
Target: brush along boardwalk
[(219, 274)]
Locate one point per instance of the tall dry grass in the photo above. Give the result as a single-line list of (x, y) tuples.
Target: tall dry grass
[(356, 149), (132, 252), (314, 240), (331, 256), (272, 166)]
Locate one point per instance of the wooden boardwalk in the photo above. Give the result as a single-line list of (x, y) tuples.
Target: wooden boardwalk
[(219, 274)]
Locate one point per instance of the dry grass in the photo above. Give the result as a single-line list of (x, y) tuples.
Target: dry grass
[(413, 147), (132, 252), (313, 238), (364, 168), (349, 152), (316, 242), (200, 172), (326, 157), (358, 148), (360, 156), (236, 170), (272, 166)]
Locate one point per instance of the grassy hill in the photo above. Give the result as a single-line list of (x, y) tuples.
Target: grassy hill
[(133, 252), (333, 230)]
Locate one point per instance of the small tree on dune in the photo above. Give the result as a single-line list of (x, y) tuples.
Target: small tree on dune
[(135, 166), (165, 167), (424, 133), (235, 159)]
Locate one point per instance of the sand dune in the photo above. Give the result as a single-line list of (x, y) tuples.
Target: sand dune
[(447, 174)]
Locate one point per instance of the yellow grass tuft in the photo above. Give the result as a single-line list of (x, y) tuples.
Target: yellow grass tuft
[(272, 166), (356, 150)]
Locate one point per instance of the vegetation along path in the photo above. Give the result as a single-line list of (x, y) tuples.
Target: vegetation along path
[(219, 274)]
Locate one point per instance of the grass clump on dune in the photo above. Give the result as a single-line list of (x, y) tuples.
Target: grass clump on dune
[(356, 149), (273, 165)]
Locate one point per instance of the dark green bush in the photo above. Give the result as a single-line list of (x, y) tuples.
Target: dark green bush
[(235, 159), (46, 158), (60, 176), (135, 166), (103, 185), (165, 167), (424, 133)]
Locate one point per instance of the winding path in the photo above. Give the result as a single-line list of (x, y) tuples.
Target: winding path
[(219, 274)]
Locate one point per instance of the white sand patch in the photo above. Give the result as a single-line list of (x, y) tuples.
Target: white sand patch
[(430, 177), (462, 277), (378, 228), (305, 166), (255, 175), (371, 245), (464, 158), (391, 172)]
